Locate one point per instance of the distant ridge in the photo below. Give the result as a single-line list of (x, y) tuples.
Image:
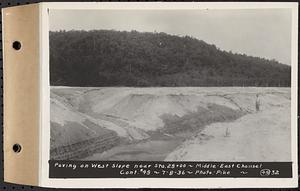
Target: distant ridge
[(114, 58)]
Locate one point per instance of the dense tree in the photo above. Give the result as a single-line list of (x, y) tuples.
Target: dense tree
[(114, 58)]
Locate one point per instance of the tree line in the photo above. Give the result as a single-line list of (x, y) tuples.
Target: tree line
[(120, 58)]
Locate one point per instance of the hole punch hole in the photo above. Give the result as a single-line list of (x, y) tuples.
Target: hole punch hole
[(17, 148), (16, 45)]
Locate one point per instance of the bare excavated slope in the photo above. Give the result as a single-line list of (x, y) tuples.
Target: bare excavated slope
[(134, 114), (72, 132), (258, 136)]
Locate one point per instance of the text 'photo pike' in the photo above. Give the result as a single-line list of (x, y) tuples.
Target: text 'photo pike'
[(170, 85)]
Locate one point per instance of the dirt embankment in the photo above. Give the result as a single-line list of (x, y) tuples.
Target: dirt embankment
[(144, 118), (262, 135), (73, 135), (199, 119), (83, 148)]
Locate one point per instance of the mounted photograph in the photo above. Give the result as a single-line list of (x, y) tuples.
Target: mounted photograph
[(149, 95), (170, 85)]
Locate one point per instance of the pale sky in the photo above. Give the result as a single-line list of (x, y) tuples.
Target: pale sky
[(262, 32)]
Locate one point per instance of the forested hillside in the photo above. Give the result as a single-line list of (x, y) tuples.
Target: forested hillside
[(113, 58)]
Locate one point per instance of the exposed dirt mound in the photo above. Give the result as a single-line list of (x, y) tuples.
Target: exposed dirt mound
[(72, 134), (136, 114), (257, 136)]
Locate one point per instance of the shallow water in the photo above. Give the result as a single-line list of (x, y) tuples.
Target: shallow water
[(149, 150)]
